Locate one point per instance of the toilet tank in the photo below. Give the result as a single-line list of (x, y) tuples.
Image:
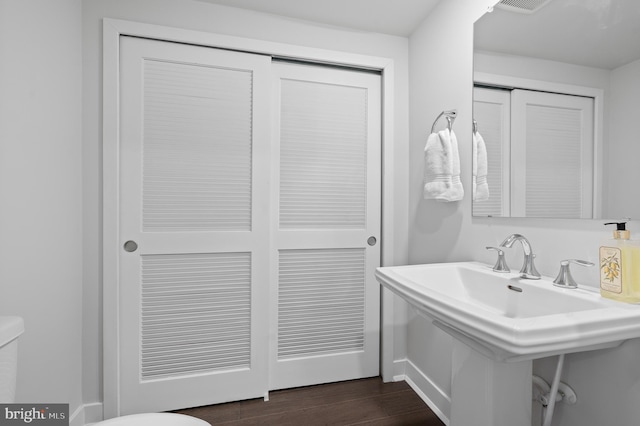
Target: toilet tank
[(10, 329)]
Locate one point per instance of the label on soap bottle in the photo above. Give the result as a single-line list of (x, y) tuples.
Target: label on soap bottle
[(611, 269)]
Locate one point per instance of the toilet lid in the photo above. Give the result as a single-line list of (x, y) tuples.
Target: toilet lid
[(154, 419)]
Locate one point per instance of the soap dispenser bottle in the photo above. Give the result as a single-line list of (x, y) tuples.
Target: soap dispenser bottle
[(620, 266)]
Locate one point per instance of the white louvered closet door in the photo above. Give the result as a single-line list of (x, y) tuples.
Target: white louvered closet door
[(327, 180), (194, 197)]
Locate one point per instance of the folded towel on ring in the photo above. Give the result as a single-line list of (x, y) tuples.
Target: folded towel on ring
[(442, 167), (480, 169)]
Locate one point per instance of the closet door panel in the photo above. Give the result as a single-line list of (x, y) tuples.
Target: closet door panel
[(193, 196), (327, 186)]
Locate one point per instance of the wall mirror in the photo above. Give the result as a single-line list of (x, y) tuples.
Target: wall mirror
[(557, 105)]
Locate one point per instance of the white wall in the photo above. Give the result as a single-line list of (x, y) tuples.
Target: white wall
[(440, 66), (200, 16), (440, 70), (40, 193)]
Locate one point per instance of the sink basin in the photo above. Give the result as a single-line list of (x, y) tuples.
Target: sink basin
[(509, 318)]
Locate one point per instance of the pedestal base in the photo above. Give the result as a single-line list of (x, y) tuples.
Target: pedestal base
[(485, 392)]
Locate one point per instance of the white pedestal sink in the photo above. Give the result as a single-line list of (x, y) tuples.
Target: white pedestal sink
[(501, 323)]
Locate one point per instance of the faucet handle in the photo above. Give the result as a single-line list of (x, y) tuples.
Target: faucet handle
[(501, 263), (529, 270), (564, 278)]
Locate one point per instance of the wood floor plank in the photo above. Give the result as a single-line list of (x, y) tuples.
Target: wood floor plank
[(355, 402), (414, 418)]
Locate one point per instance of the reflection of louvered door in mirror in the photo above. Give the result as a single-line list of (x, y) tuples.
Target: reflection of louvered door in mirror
[(328, 205), (243, 258), (540, 152), (193, 322), (492, 112), (552, 165)]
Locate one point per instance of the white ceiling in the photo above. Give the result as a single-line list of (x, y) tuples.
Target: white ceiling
[(597, 33), (395, 17)]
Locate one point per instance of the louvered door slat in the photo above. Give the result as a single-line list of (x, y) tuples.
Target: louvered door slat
[(197, 144), (323, 146), (316, 319), (224, 336), (553, 130)]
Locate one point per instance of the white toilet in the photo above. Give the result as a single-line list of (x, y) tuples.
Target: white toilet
[(10, 329), (154, 419)]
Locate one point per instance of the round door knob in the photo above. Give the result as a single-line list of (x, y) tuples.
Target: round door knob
[(130, 246), (372, 241)]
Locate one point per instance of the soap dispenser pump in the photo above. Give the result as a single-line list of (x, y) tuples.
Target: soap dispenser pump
[(621, 232), (620, 266)]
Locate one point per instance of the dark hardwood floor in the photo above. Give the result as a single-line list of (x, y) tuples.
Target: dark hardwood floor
[(356, 402)]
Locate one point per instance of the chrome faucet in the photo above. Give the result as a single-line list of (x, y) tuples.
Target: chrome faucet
[(528, 270)]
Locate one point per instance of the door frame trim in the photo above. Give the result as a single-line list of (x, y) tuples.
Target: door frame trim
[(112, 30)]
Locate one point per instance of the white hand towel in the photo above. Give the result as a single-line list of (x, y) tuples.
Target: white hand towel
[(480, 168), (442, 167)]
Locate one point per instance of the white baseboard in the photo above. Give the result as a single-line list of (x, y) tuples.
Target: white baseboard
[(93, 412), (86, 414), (399, 369), (431, 394), (77, 417)]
